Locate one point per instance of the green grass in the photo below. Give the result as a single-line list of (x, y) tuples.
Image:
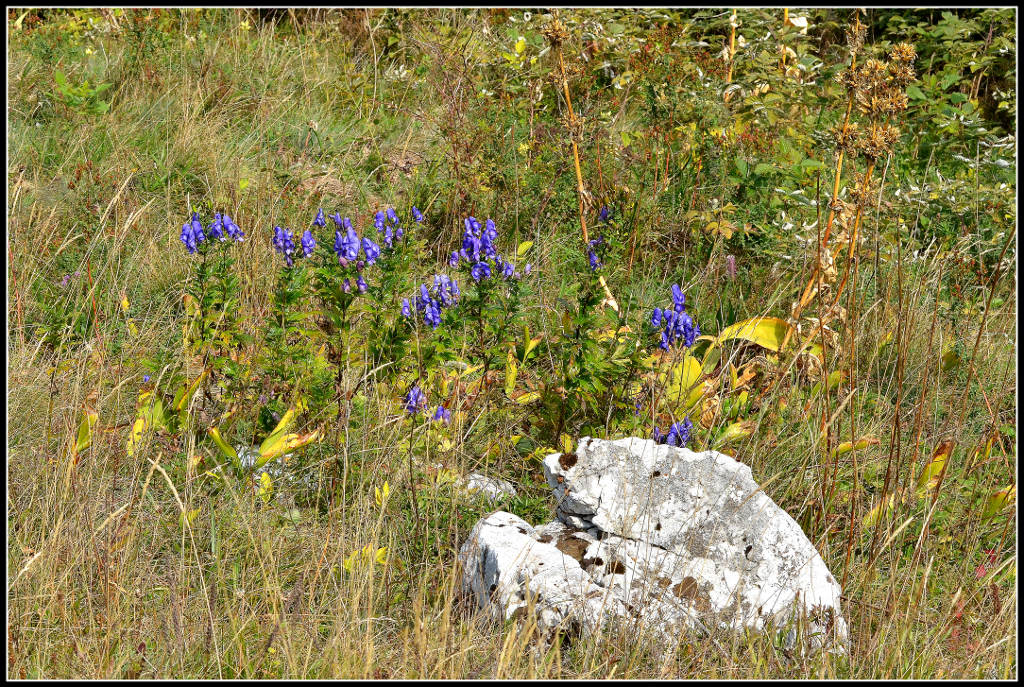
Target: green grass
[(274, 119)]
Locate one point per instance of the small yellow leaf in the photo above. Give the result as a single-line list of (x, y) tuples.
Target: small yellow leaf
[(380, 494), (735, 432), (860, 444), (527, 398), (266, 487), (566, 441)]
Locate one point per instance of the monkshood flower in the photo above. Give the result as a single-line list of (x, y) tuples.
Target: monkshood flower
[(372, 251), (595, 262), (308, 243), (283, 244), (192, 233), (346, 245), (320, 221), (678, 434), (346, 286), (442, 414), (406, 310), (361, 284), (417, 216), (604, 214), (480, 271), (678, 324), (216, 227), (415, 400), (446, 289), (392, 216), (233, 230)]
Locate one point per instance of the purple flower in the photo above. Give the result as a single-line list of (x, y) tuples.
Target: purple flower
[(454, 260), (361, 284), (526, 270), (283, 244), (346, 245), (414, 400), (406, 310), (678, 434), (480, 271), (320, 221), (217, 227), (346, 286), (656, 318), (594, 262), (232, 228), (371, 249), (308, 243), (730, 266), (145, 379), (603, 216), (442, 414), (417, 216)]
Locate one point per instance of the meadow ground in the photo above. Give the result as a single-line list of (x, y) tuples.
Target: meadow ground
[(880, 412)]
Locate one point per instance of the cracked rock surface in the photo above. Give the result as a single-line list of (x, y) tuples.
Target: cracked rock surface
[(659, 538)]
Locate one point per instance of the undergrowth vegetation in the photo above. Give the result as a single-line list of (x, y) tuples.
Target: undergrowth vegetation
[(278, 280)]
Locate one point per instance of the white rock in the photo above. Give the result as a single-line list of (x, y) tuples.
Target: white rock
[(731, 556), (495, 489), (506, 569)]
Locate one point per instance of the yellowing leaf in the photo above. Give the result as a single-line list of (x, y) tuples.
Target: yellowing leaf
[(767, 332), (735, 432), (520, 45), (860, 444), (511, 370), (282, 445), (124, 304), (683, 390), (881, 510), (523, 247), (150, 418), (566, 442), (932, 472), (188, 516), (526, 398), (999, 500), (224, 447), (380, 494), (266, 487), (186, 392), (83, 440)]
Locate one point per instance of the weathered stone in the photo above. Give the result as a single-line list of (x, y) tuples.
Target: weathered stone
[(661, 539), (495, 489), (506, 568), (700, 521)]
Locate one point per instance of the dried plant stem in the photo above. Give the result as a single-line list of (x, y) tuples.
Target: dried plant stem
[(732, 51), (809, 291), (609, 298)]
